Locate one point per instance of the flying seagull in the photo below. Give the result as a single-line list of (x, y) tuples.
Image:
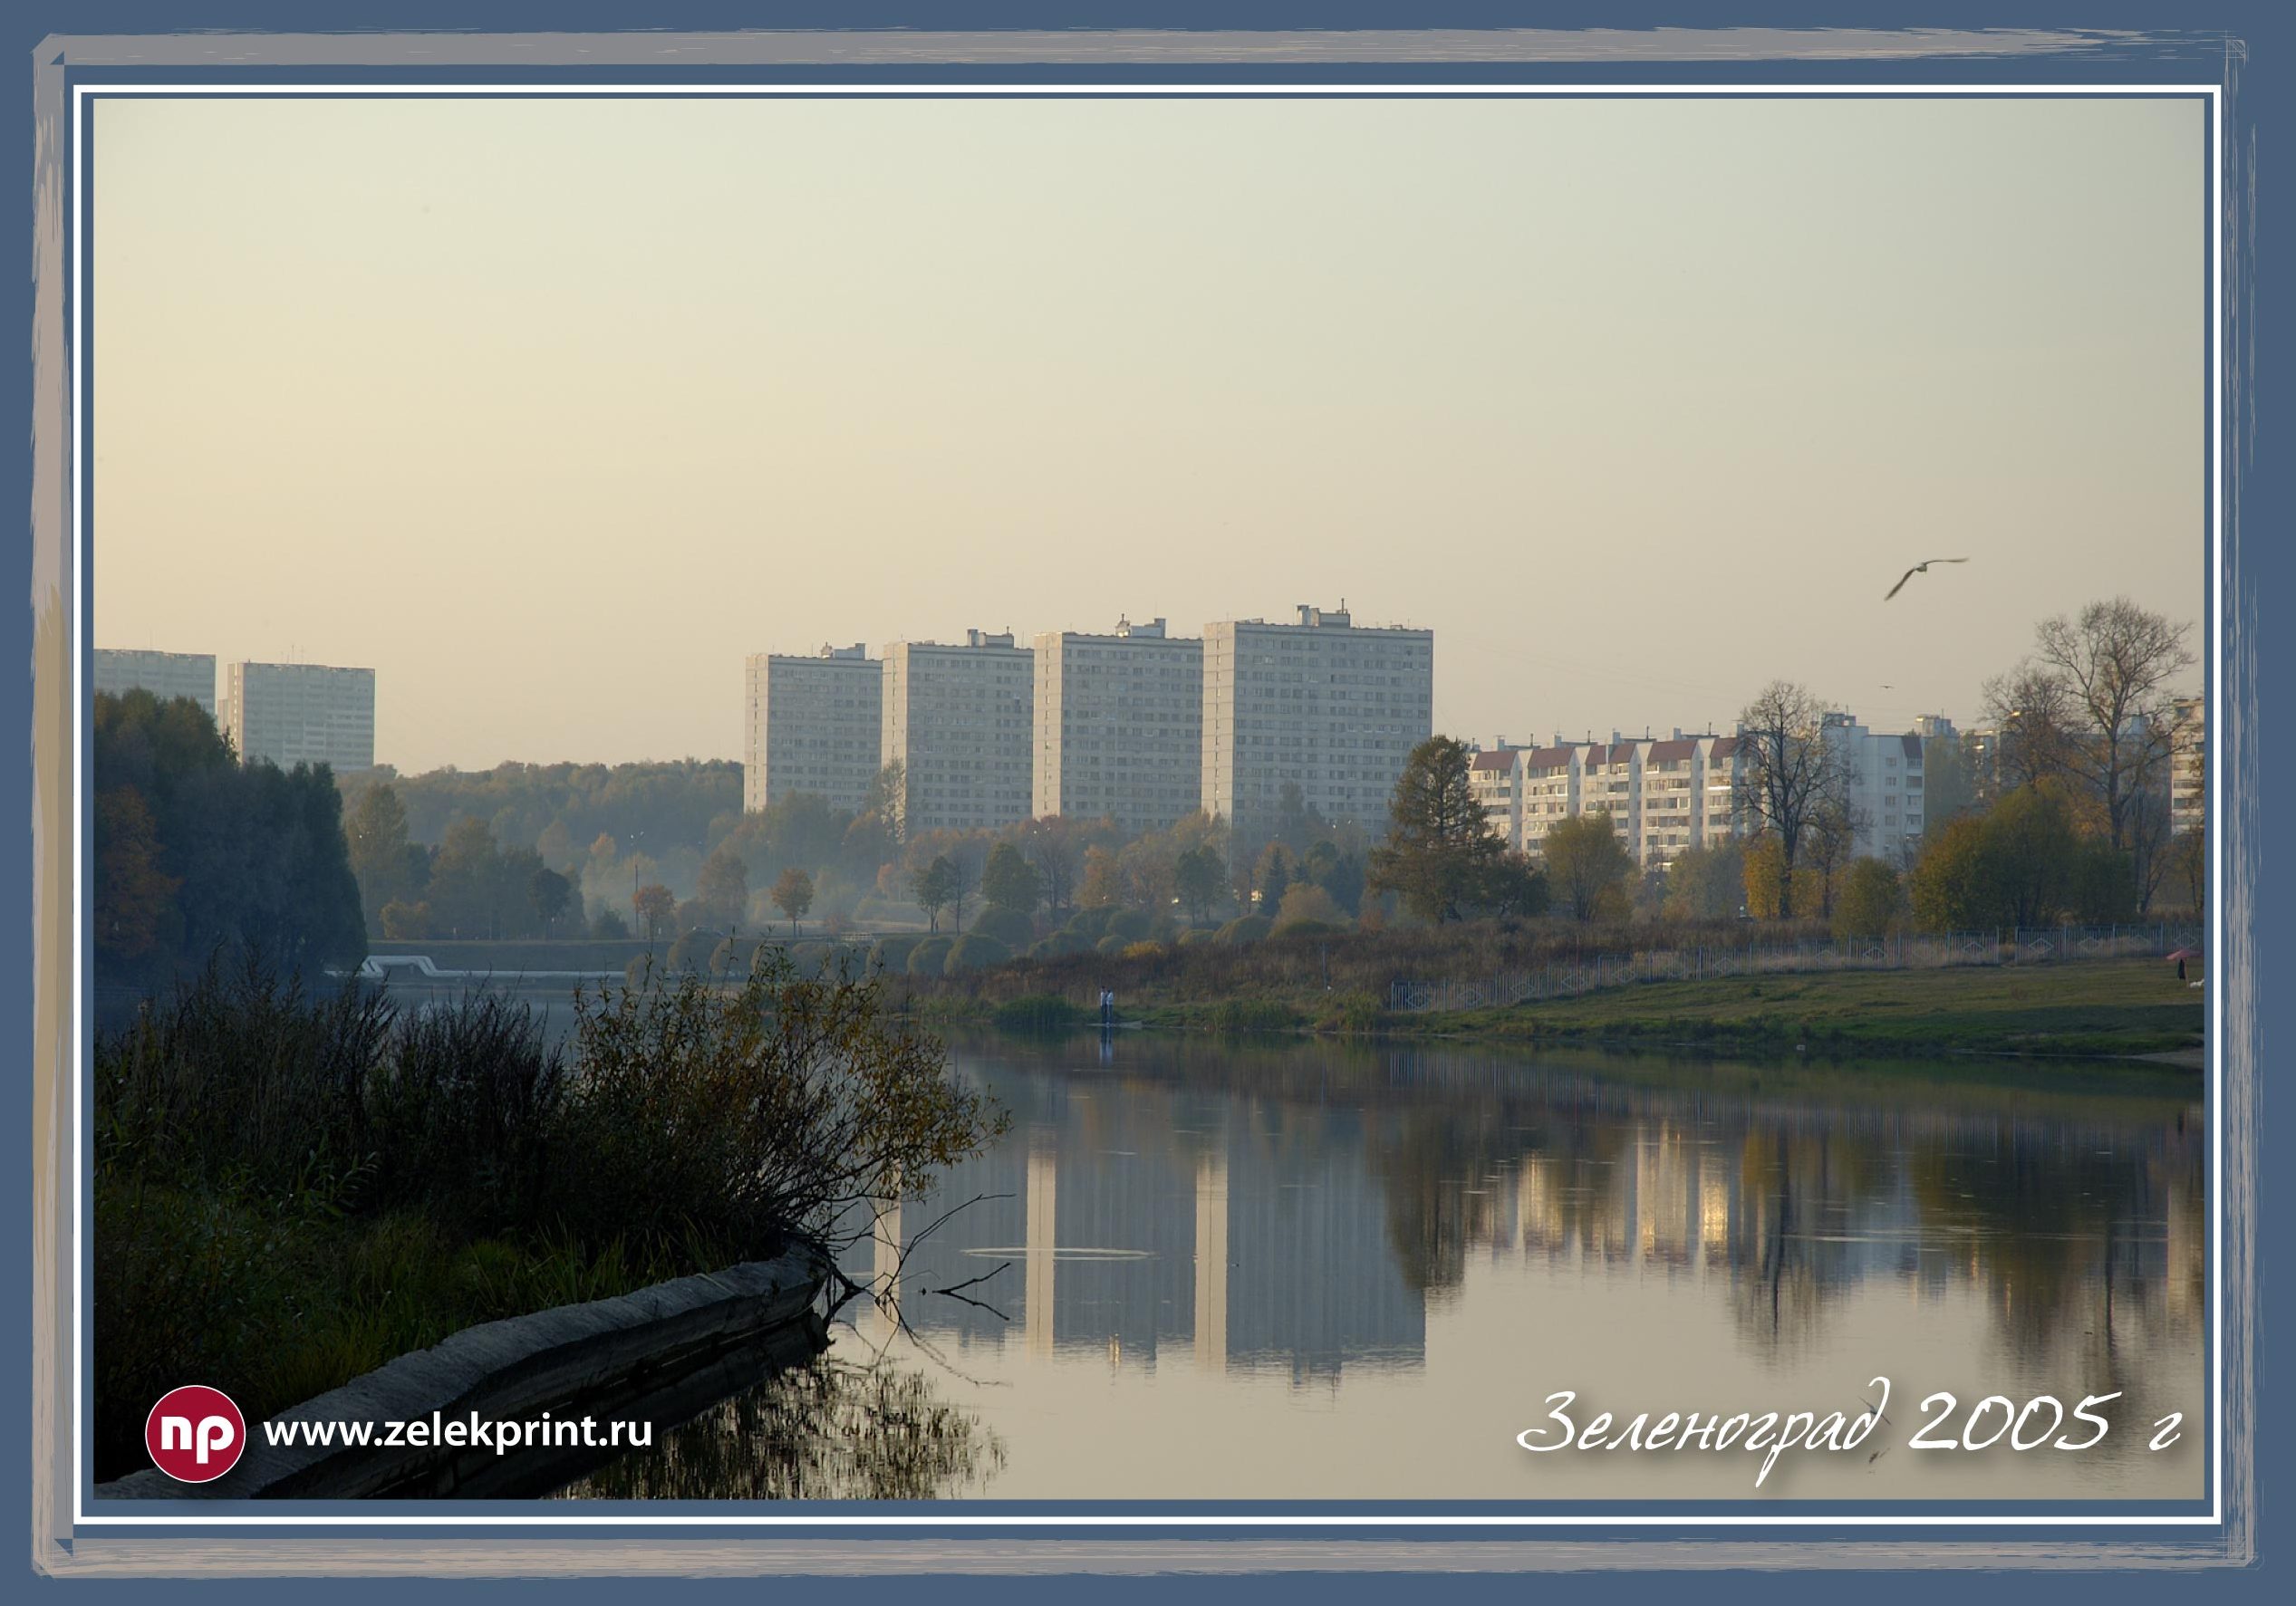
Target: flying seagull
[(1918, 569)]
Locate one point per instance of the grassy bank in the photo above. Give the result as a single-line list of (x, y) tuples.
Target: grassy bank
[(2105, 1008)]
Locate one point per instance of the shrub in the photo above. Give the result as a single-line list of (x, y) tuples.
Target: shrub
[(1090, 924), (689, 955), (974, 951), (1253, 1015), (892, 953), (1350, 1011), (1134, 925), (1193, 933), (1007, 926), (1115, 942), (1141, 950), (1306, 904), (1244, 929), (1289, 929), (930, 955), (1039, 1012)]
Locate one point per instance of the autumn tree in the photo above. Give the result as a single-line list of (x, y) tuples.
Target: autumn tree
[(1440, 845), (1584, 859), (655, 906), (1871, 897), (135, 898), (1103, 886), (793, 895)]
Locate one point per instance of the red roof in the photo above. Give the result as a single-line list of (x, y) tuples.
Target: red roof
[(1502, 760), (1662, 751), (1724, 747), (1548, 759)]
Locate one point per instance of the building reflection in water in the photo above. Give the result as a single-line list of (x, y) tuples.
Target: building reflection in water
[(1301, 1210)]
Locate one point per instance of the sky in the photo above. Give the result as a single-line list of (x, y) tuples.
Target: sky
[(552, 411)]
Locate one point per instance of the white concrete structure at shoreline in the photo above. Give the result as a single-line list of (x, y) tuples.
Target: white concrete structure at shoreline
[(960, 719), (291, 714), (164, 675), (1119, 725), (812, 724), (1323, 704)]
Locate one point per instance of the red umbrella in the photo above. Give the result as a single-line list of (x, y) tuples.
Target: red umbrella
[(2185, 954)]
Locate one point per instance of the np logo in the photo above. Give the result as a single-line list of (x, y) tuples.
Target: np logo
[(195, 1434)]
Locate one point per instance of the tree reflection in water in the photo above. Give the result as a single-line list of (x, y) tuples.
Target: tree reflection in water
[(829, 1431)]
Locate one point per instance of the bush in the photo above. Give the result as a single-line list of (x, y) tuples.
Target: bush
[(974, 951), (1352, 1012), (890, 954), (732, 959), (1090, 924), (1115, 942), (1193, 933), (1039, 1012), (1289, 929), (290, 1189), (1134, 925), (1244, 929), (930, 955), (1007, 926), (689, 955), (1141, 950)]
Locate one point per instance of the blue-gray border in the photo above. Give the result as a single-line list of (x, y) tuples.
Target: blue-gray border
[(1712, 59)]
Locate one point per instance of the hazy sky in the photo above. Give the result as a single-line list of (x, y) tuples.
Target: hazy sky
[(552, 410)]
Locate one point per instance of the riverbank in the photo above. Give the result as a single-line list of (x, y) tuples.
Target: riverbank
[(2101, 1009)]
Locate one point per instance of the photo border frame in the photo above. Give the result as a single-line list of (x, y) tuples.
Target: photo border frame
[(64, 64)]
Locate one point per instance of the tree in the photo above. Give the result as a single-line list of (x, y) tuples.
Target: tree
[(135, 909), (465, 876), (1338, 872), (1829, 843), (386, 865), (1306, 904), (1706, 883), (2094, 705), (887, 797), (1584, 859), (656, 907), (1103, 886), (1273, 876), (1763, 865), (1010, 881), (1870, 898), (1201, 877), (724, 883), (1056, 845), (1949, 887), (1792, 774), (550, 893), (935, 889), (793, 895), (1440, 845), (1512, 888)]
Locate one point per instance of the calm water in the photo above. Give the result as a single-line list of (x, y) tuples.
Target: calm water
[(1210, 1271)]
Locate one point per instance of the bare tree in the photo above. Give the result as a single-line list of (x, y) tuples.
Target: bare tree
[(2093, 704), (1830, 841), (1792, 773)]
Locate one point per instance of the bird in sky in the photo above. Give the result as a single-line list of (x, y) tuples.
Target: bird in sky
[(1918, 569)]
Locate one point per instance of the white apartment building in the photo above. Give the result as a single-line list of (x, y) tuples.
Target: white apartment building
[(164, 675), (2188, 767), (1883, 787), (1119, 725), (1495, 776), (292, 714), (1665, 794), (961, 720), (812, 724), (1323, 704)]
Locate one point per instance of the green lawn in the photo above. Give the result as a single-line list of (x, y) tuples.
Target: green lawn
[(2110, 1008)]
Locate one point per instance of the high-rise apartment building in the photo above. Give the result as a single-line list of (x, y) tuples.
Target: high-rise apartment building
[(1119, 725), (961, 720), (164, 675), (812, 724), (1885, 777), (1322, 704), (291, 714), (2188, 767)]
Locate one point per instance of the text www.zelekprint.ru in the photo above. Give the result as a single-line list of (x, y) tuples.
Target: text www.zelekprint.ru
[(461, 1433)]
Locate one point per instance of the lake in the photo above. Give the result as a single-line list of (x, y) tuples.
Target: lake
[(1202, 1269)]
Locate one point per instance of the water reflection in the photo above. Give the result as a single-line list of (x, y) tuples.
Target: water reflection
[(1257, 1251), (827, 1431)]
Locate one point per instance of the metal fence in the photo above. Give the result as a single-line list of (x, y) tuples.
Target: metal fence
[(2019, 945)]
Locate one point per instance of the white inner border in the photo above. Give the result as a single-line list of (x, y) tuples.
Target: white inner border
[(957, 1519)]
